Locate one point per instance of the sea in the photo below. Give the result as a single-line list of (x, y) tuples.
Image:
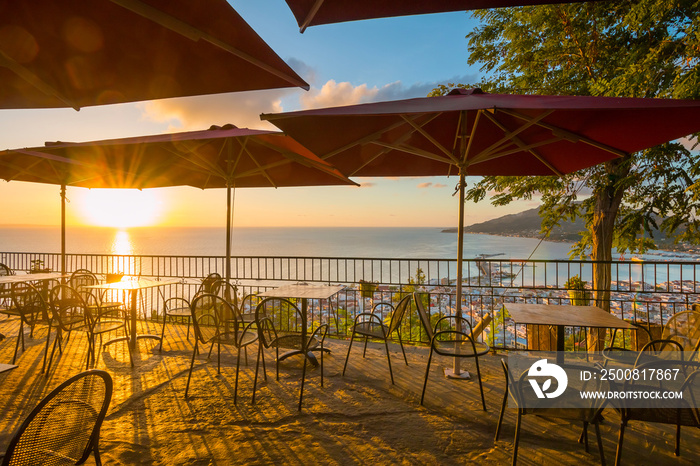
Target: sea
[(358, 242)]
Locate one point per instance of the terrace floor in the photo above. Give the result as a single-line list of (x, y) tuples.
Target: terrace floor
[(356, 419)]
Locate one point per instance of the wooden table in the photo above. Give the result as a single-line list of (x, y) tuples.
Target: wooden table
[(304, 292), (32, 277), (133, 287), (561, 316)]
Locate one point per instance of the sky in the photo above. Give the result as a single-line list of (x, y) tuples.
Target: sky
[(346, 63)]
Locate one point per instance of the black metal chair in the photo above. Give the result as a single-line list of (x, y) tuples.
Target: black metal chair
[(450, 342), (30, 306), (5, 289), (64, 428), (526, 402), (678, 412), (82, 278), (216, 322), (370, 325), (175, 307), (68, 314), (282, 325)]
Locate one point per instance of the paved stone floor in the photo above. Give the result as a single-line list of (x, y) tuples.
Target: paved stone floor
[(359, 418)]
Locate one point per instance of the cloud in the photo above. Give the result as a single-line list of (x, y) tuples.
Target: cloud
[(333, 94), (242, 109), (424, 185), (439, 185), (367, 185)]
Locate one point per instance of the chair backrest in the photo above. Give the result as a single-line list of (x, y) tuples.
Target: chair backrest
[(399, 312), (82, 278), (684, 328), (226, 291), (67, 306), (65, 425), (5, 288), (208, 283), (277, 318), (423, 315), (29, 302), (211, 315), (5, 270)]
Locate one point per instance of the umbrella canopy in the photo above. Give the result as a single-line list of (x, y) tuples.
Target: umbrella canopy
[(315, 12), (475, 133), (221, 157), (76, 53)]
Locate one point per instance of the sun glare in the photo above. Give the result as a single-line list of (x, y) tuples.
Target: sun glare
[(121, 208)]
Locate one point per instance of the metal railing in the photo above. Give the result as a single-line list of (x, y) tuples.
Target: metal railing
[(643, 292)]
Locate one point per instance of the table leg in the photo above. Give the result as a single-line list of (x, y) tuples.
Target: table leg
[(560, 344)]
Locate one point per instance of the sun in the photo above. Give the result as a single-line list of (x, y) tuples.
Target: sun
[(121, 208)]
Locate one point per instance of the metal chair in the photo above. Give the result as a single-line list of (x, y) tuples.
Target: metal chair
[(282, 325), (5, 289), (30, 306), (452, 343), (64, 428), (216, 322), (678, 412), (68, 314), (524, 398), (82, 278), (370, 325), (175, 307)]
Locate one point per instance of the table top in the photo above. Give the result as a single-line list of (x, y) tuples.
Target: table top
[(140, 284), (31, 277), (7, 367), (561, 314), (303, 291)]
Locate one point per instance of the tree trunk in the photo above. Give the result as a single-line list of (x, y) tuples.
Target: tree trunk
[(607, 205)]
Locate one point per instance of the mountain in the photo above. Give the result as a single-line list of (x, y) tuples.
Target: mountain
[(526, 224)]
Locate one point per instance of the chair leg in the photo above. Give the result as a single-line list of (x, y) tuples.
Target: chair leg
[(257, 366), (427, 371), (402, 350), (53, 350), (235, 385), (322, 364), (189, 321), (517, 437), (364, 351), (194, 352), (218, 357), (600, 443), (162, 333), (678, 438), (303, 378), (388, 358), (352, 338), (500, 416), (584, 435), (618, 453), (481, 386), (46, 349), (19, 335)]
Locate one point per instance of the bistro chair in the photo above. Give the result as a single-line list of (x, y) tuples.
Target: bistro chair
[(370, 325), (100, 321), (678, 412), (217, 323), (30, 306), (68, 314), (524, 398), (175, 307), (82, 278), (209, 283), (282, 325), (64, 428), (450, 342), (5, 289)]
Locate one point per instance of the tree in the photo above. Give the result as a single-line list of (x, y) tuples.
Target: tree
[(642, 48)]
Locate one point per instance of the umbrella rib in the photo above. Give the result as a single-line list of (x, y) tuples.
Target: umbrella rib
[(522, 147), (262, 170), (373, 136), (509, 136), (35, 80), (429, 137), (472, 136), (413, 150), (195, 34), (310, 15), (570, 136)]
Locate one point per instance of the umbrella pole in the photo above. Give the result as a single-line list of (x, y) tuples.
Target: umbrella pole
[(455, 372), (63, 228), (229, 209)]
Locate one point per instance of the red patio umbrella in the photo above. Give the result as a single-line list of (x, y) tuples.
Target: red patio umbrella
[(469, 132), (221, 157), (315, 12), (77, 53)]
